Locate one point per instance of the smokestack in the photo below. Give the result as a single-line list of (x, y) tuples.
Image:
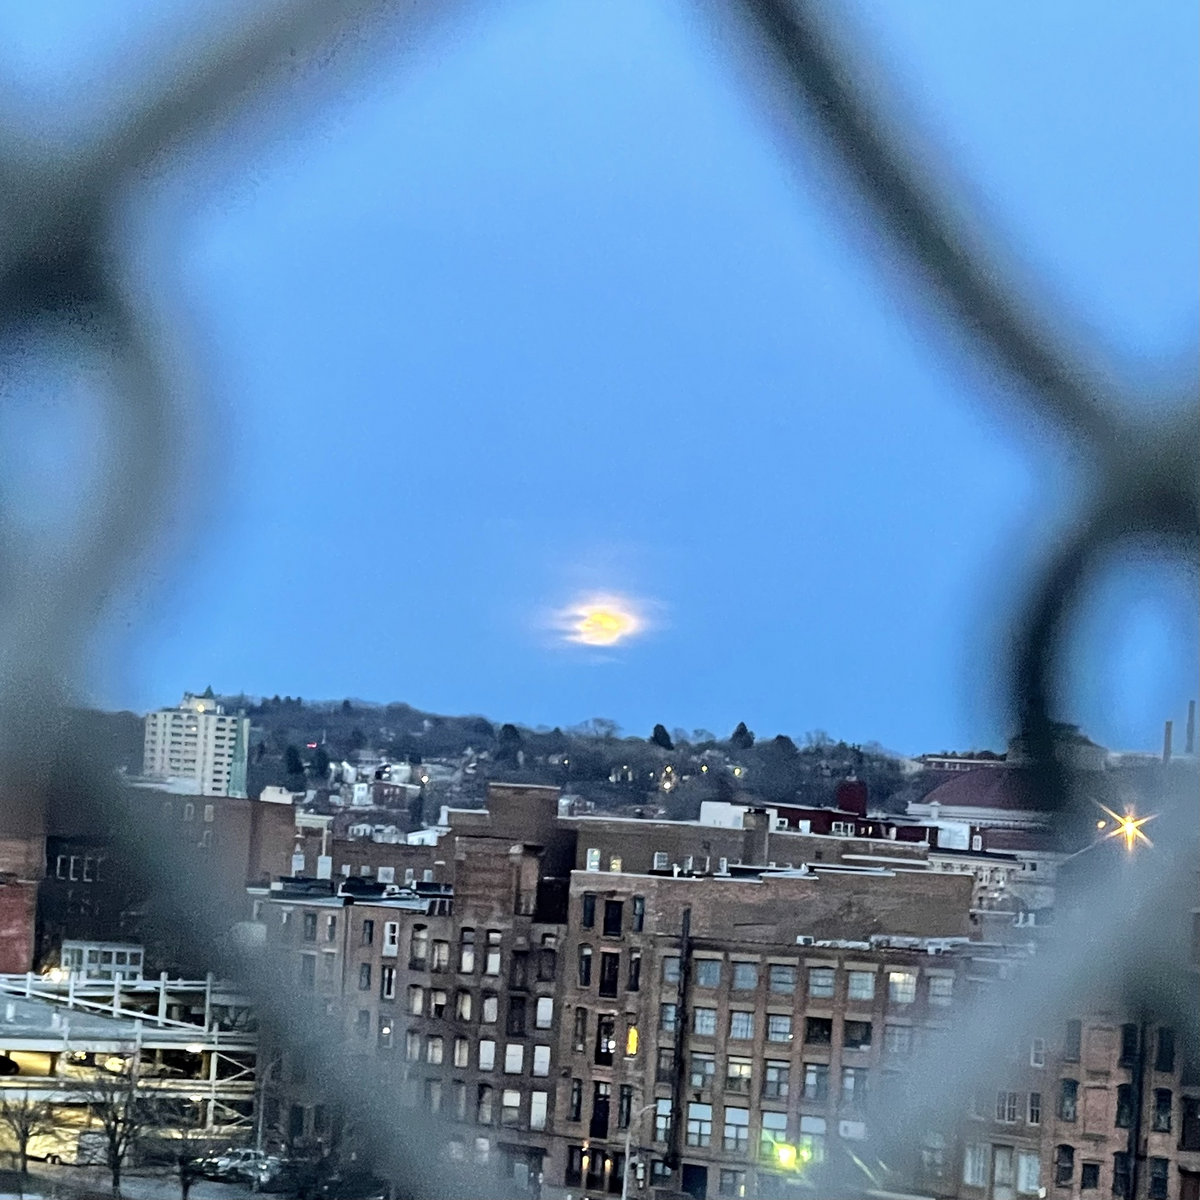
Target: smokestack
[(1167, 742), (1191, 727)]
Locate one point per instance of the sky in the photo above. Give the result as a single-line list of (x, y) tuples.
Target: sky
[(543, 305)]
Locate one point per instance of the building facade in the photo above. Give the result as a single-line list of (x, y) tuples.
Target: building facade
[(200, 743)]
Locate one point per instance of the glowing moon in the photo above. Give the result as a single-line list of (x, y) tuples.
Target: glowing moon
[(601, 621)]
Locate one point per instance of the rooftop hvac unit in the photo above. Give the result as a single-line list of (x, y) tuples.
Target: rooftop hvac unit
[(804, 939)]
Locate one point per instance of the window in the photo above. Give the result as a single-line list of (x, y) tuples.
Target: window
[(1072, 1041), (510, 1107), (1159, 1168), (391, 939), (593, 858), (487, 1055), (975, 1164), (547, 964), (1037, 1052), (308, 970), (368, 932), (387, 983), (631, 1038), (466, 951), (514, 1058), (331, 928), (854, 1088), (1064, 1165), (601, 1099), (776, 1074), (897, 1040), (624, 1106), (670, 969), (664, 1069), (703, 1068), (668, 1018), (581, 1023), (1164, 1056), (385, 1034), (514, 1024), (1089, 1176), (661, 860), (741, 1025), (861, 985), (699, 1124), (811, 1143), (1120, 1184), (362, 1022), (704, 1022), (435, 1048), (818, 1031), (483, 1105), (189, 812), (1068, 1099), (736, 1135), (708, 972), (1029, 1173), (537, 1109), (462, 1052), (779, 1027), (587, 914), (820, 983), (489, 1008), (941, 990), (1007, 1106), (1033, 1113), (440, 959), (816, 1081), (639, 914), (1124, 1106), (412, 1046), (462, 1005), (662, 1120), (731, 1183), (614, 917), (738, 1073), (585, 966), (310, 927), (437, 1003), (610, 973), (543, 1014), (745, 976), (491, 962), (575, 1101), (541, 1061), (1129, 1046), (416, 999), (856, 1035), (634, 981), (364, 977), (773, 1133), (902, 987), (209, 813), (1160, 1120), (606, 1040)]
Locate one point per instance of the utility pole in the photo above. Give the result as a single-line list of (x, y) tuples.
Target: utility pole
[(633, 1122)]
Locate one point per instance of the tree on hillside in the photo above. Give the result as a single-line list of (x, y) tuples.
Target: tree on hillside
[(347, 707), (509, 744), (741, 738), (25, 1119), (320, 764), (660, 737), (293, 764)]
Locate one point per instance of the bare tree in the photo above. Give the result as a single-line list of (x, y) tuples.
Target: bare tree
[(123, 1117), (25, 1118), (177, 1116)]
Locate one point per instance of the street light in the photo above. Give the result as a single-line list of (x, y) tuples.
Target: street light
[(641, 1112)]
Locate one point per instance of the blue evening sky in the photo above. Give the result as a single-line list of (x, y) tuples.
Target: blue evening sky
[(545, 305)]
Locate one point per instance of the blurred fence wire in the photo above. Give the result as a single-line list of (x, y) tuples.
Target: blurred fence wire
[(60, 269)]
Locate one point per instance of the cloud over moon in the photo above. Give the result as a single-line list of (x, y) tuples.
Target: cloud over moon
[(601, 620)]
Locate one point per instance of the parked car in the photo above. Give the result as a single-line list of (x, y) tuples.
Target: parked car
[(354, 1185), (243, 1163), (69, 1146)]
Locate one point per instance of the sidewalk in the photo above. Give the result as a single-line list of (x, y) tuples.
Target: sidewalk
[(83, 1183)]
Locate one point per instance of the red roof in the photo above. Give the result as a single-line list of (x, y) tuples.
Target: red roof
[(1008, 788)]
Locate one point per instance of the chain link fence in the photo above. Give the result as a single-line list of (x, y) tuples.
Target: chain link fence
[(61, 276)]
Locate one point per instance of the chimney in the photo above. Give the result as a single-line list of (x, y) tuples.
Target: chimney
[(1191, 727), (1167, 742)]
